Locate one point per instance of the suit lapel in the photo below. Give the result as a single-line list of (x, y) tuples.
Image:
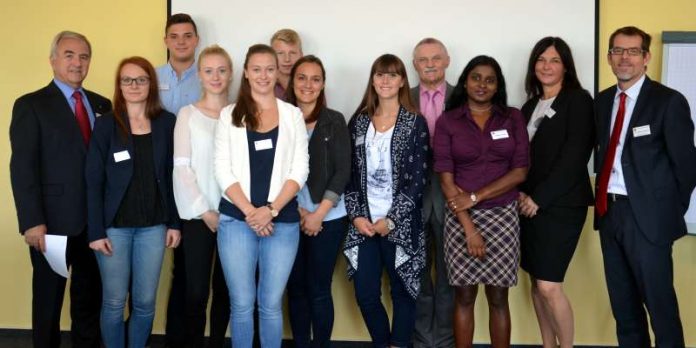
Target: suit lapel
[(638, 110), (159, 142), (60, 107)]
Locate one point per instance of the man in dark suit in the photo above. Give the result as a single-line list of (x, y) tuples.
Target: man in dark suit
[(647, 163), (435, 304), (49, 134)]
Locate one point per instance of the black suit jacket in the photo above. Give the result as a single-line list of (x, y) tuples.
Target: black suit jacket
[(433, 199), (660, 168), (108, 180), (560, 150), (48, 158)]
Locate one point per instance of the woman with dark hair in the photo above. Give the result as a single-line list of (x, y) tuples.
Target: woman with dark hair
[(555, 197), (481, 155), (389, 142), (261, 162), (131, 211), (322, 210)]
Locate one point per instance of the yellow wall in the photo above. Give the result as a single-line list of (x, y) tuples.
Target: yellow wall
[(128, 27)]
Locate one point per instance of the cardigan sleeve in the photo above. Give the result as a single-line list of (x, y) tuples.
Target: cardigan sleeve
[(223, 156)]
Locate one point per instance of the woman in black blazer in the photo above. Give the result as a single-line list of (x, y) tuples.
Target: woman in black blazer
[(554, 198), (323, 213), (131, 211)]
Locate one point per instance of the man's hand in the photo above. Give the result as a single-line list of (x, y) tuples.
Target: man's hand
[(35, 237)]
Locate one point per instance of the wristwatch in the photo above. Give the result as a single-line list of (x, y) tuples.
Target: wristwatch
[(274, 213), (390, 224), (474, 199)]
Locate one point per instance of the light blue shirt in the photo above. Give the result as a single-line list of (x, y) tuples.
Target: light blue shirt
[(304, 200), (617, 184), (68, 92), (176, 92)]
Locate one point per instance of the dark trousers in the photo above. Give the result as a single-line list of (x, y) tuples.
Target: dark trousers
[(310, 303), (639, 273), (188, 300), (48, 289), (435, 305), (374, 255)]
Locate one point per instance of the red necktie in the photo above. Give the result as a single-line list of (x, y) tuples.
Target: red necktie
[(82, 117), (601, 198)]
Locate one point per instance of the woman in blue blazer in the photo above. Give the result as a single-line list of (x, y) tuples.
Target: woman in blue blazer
[(131, 211)]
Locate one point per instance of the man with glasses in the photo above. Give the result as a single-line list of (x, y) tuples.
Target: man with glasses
[(436, 301), (646, 164), (49, 135)]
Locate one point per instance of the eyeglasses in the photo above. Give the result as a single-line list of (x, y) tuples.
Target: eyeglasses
[(619, 51), (140, 80)]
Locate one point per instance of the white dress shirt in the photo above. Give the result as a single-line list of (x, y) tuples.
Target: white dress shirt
[(617, 184)]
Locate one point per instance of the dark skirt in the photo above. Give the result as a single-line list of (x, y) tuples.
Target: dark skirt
[(500, 229), (549, 240)]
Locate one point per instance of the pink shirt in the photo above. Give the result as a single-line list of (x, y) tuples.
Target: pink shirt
[(432, 102)]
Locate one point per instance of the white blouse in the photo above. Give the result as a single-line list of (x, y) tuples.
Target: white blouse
[(195, 188)]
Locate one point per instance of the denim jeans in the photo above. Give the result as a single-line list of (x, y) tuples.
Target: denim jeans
[(310, 304), (241, 252), (375, 254), (137, 252)]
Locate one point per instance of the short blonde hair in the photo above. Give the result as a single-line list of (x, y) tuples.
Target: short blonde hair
[(288, 36)]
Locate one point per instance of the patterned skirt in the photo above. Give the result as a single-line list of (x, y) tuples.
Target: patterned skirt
[(500, 228)]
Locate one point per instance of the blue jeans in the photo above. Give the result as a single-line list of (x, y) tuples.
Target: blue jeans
[(241, 252), (375, 254), (310, 304), (137, 252)]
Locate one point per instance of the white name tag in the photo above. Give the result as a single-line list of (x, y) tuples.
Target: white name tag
[(550, 112), (359, 141), (499, 134), (641, 131), (263, 144), (163, 87), (121, 156)]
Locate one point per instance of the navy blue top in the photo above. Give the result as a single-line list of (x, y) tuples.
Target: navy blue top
[(262, 148)]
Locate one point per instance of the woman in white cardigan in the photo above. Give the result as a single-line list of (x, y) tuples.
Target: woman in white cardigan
[(197, 196), (261, 162)]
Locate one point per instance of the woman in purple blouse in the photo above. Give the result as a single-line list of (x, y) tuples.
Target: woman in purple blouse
[(481, 155)]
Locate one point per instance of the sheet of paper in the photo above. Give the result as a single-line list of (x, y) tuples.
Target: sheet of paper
[(55, 253)]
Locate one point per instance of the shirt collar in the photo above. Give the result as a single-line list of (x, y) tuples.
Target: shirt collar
[(633, 91), (66, 89), (187, 72), (464, 112), (442, 87)]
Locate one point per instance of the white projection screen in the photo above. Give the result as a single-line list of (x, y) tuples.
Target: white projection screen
[(349, 35)]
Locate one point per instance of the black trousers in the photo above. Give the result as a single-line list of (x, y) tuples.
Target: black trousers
[(188, 300), (639, 275), (48, 290)]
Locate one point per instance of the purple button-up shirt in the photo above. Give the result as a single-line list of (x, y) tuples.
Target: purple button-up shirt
[(476, 157)]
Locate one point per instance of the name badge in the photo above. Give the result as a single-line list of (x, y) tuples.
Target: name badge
[(641, 131), (265, 144), (359, 141), (550, 112), (499, 134), (121, 156), (163, 87)]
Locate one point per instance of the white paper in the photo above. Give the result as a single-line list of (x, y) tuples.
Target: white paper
[(550, 112), (55, 253)]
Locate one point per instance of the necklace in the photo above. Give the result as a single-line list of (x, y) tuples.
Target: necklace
[(383, 125), (473, 109)]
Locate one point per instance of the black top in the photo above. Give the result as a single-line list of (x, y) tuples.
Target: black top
[(141, 206), (329, 157), (262, 148)]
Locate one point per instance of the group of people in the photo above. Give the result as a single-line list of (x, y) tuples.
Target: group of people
[(262, 193)]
